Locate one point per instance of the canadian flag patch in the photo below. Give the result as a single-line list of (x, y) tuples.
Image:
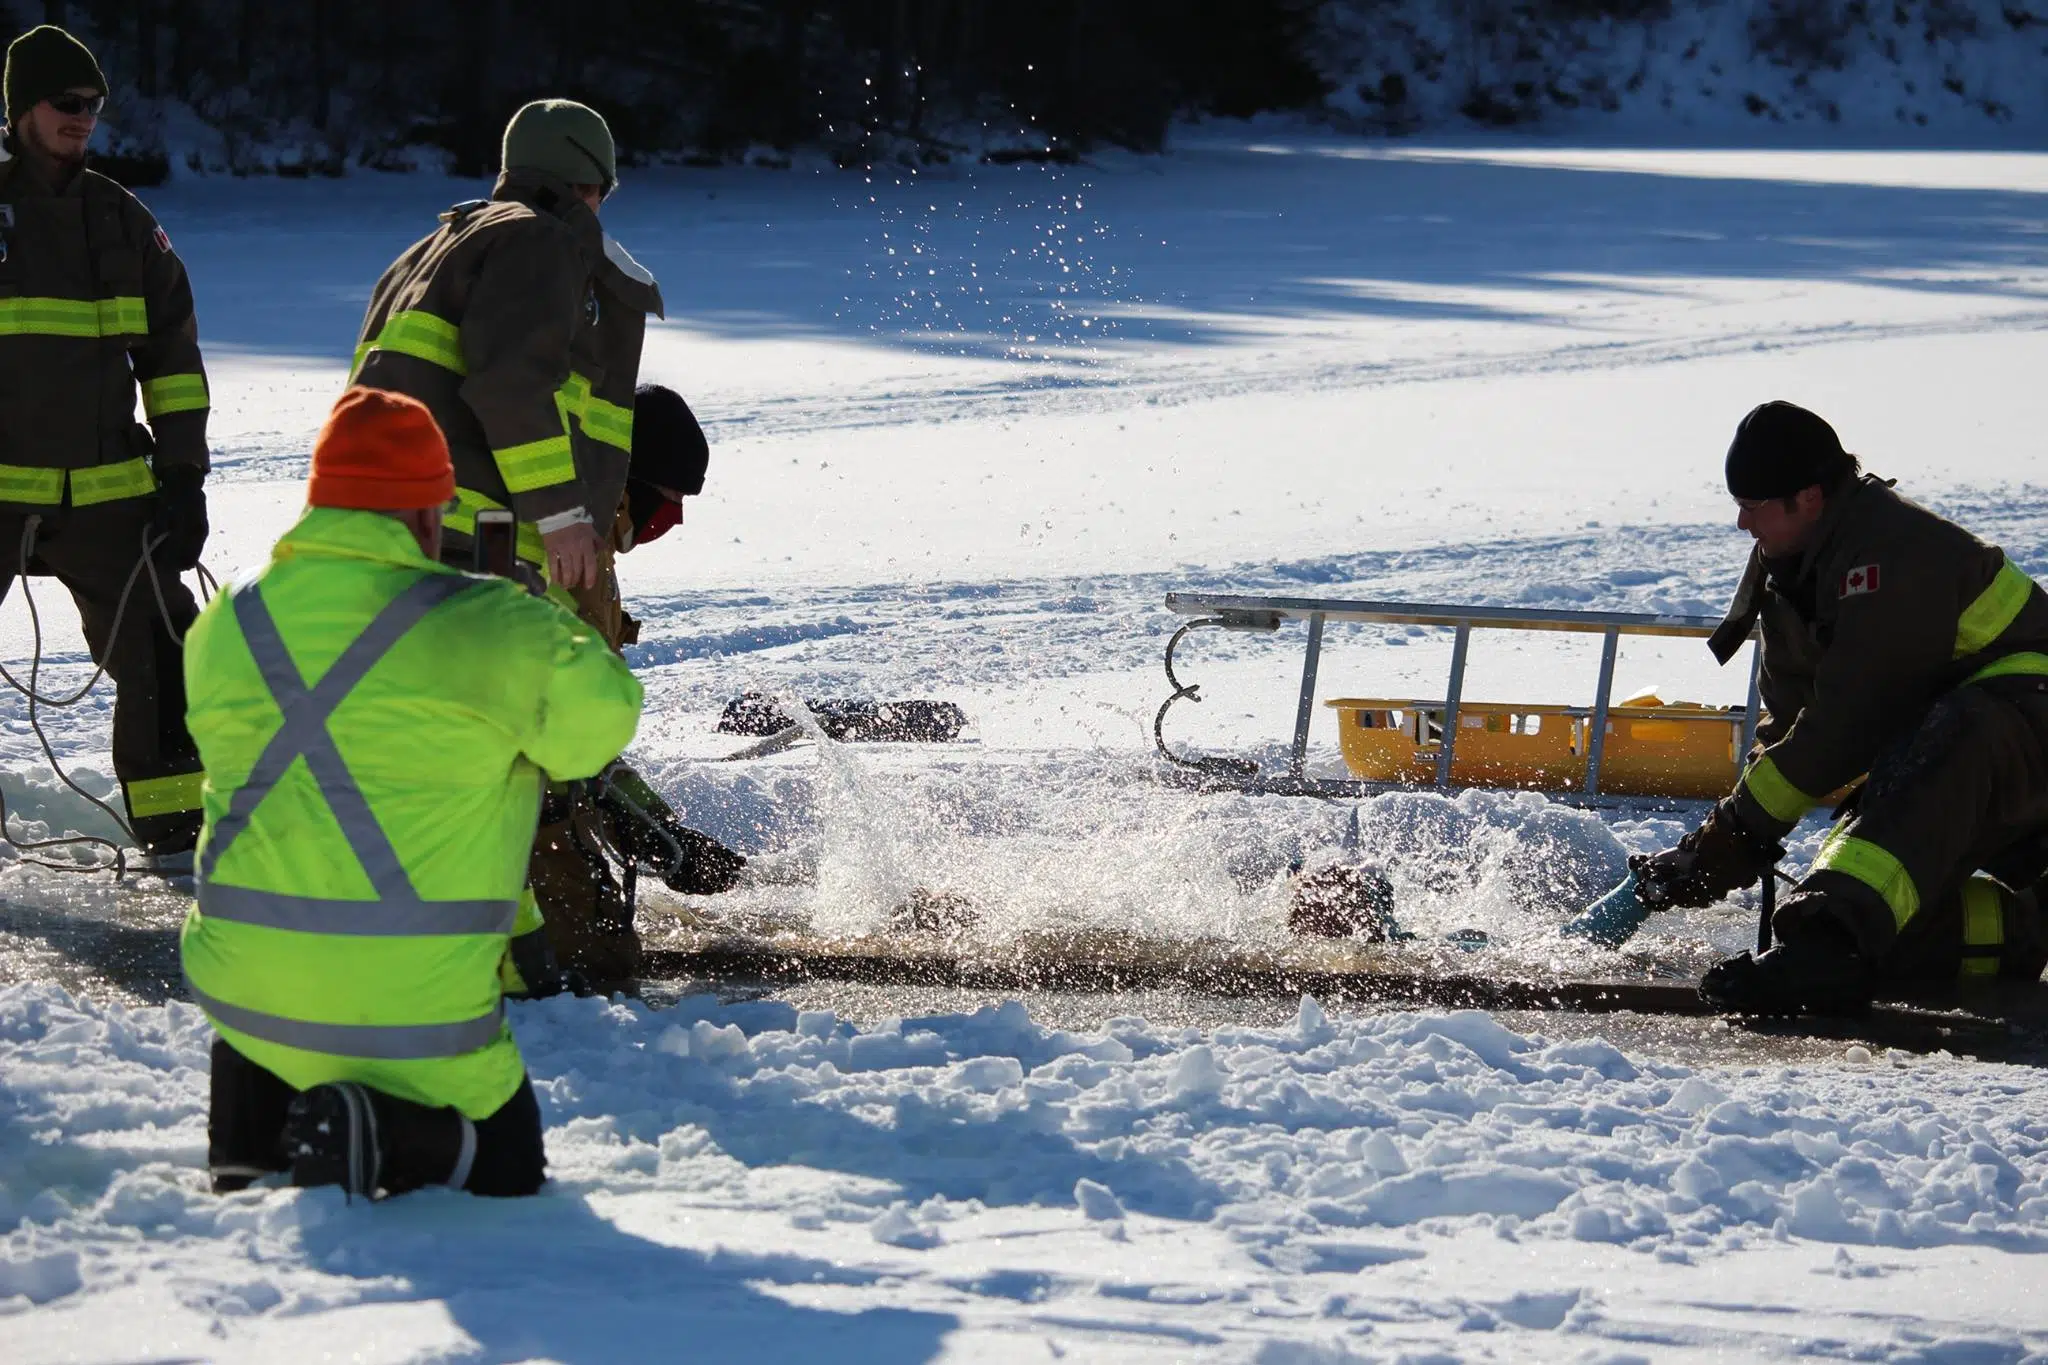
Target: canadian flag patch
[(163, 240), (1859, 580)]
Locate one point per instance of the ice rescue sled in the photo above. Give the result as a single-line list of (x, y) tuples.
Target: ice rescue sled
[(1651, 749), (1640, 747)]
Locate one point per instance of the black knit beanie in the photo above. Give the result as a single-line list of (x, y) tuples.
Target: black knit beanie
[(669, 449), (1780, 448), (47, 61)]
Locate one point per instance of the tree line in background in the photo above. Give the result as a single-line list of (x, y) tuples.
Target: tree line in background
[(363, 80), (310, 86)]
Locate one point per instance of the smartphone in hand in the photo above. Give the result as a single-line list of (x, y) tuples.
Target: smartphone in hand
[(496, 547)]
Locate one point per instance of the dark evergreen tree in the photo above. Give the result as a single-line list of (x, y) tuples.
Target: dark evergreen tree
[(313, 84)]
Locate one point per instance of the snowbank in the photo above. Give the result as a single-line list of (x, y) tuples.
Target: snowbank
[(727, 1170)]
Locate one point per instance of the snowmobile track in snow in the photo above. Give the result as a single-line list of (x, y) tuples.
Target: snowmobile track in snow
[(1112, 386)]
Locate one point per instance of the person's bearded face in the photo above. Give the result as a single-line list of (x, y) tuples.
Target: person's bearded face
[(57, 135)]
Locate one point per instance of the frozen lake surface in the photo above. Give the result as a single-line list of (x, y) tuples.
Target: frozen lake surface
[(968, 429)]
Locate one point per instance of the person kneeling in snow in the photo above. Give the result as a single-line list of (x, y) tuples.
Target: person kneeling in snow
[(589, 911), (375, 729), (1897, 644)]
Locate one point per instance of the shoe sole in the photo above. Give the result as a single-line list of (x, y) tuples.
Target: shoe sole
[(332, 1139)]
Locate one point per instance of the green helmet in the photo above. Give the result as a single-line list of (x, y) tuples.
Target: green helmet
[(567, 140)]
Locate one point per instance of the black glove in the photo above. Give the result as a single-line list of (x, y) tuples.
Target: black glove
[(1708, 863), (705, 866), (643, 828), (180, 518)]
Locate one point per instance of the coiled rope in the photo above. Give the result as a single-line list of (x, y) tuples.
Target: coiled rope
[(145, 562)]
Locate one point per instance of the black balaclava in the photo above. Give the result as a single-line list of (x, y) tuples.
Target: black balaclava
[(669, 451)]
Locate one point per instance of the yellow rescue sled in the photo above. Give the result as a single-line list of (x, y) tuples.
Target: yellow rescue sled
[(1652, 749), (1638, 747)]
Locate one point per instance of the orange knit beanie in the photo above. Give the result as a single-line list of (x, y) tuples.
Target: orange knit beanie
[(380, 452)]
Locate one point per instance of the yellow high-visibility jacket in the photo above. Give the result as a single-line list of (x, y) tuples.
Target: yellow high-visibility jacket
[(375, 728)]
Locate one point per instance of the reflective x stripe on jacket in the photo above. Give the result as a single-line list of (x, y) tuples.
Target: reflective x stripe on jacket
[(360, 909), (398, 911)]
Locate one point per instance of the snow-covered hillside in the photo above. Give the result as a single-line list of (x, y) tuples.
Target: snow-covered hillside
[(1838, 69), (967, 430)]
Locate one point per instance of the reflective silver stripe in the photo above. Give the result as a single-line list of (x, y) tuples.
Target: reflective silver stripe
[(396, 916), (304, 734), (376, 1042), (465, 1160)]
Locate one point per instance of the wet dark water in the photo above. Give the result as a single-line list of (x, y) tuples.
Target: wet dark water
[(120, 943)]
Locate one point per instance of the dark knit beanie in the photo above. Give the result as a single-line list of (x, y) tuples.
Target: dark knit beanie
[(669, 449), (47, 61), (1780, 448)]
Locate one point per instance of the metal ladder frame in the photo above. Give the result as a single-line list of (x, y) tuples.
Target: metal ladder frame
[(1231, 611)]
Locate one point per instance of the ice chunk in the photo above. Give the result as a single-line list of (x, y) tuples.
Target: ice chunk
[(1695, 1096), (39, 1276), (898, 1227), (1198, 1074), (1097, 1202), (1436, 1194), (1380, 1153), (986, 1074), (715, 1042)]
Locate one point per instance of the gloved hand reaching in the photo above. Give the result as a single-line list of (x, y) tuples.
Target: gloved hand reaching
[(643, 827), (1713, 860), (180, 518), (705, 868)]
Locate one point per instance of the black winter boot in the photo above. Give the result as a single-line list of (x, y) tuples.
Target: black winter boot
[(1816, 971), (331, 1138)]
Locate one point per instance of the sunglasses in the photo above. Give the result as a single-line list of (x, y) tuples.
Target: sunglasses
[(74, 105)]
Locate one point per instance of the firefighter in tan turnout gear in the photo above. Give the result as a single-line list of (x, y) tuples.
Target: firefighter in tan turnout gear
[(1898, 645), (94, 304), (519, 323)]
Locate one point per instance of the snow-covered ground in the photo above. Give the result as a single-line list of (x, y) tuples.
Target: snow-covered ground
[(967, 431), (753, 1182)]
